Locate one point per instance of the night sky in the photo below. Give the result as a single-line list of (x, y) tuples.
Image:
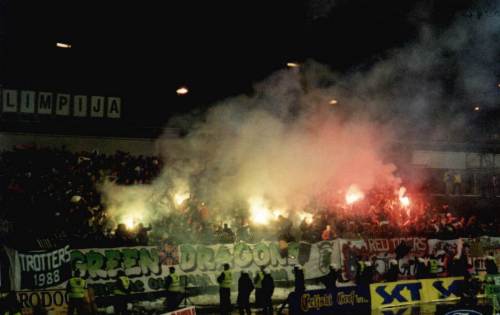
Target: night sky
[(143, 51)]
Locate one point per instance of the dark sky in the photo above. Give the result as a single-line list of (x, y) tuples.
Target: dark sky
[(143, 51)]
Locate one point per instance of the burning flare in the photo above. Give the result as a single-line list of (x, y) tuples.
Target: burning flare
[(308, 217), (180, 197), (132, 220), (405, 200), (353, 194), (261, 214)]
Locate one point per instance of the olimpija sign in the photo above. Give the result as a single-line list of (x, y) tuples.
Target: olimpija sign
[(60, 104)]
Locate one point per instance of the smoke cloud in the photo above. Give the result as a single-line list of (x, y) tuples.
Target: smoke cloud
[(306, 133)]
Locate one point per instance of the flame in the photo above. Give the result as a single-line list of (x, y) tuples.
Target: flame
[(260, 213), (353, 194), (308, 217), (131, 220), (131, 214), (180, 197), (405, 200)]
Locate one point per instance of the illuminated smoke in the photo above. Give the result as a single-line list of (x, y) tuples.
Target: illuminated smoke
[(353, 194)]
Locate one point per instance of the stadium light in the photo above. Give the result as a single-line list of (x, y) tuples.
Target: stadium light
[(63, 45), (182, 90), (476, 108), (292, 65)]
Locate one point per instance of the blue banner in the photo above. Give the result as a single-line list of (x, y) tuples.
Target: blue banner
[(344, 299)]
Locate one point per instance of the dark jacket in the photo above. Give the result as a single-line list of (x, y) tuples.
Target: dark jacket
[(392, 274), (267, 286), (330, 280), (299, 280), (491, 267), (245, 287)]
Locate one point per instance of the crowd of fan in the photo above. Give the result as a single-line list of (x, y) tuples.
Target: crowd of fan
[(381, 216), (52, 192), (46, 192)]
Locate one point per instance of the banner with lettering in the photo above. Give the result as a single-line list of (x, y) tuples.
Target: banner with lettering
[(28, 102), (100, 267), (441, 289), (390, 294), (202, 263), (53, 301), (199, 265), (346, 300), (39, 269), (380, 252)]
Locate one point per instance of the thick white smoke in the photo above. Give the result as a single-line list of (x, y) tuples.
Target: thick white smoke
[(289, 144)]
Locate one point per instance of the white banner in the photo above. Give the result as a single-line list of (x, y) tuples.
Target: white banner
[(199, 265)]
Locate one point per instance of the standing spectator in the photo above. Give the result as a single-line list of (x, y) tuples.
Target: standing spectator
[(465, 262), (327, 233), (122, 235), (368, 273), (360, 269), (225, 280), (392, 274), (92, 306), (174, 289), (10, 305), (142, 234), (468, 291), (267, 292), (76, 288), (422, 268), (434, 267), (490, 264), (258, 287), (227, 234), (454, 267), (330, 280), (120, 292), (300, 285), (245, 288)]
